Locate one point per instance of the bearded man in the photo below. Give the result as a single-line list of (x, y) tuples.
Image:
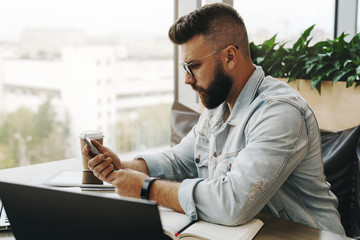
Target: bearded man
[(256, 147)]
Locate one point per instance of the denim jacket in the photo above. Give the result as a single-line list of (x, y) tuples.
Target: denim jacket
[(265, 157)]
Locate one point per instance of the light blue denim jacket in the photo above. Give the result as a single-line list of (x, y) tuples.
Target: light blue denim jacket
[(265, 157)]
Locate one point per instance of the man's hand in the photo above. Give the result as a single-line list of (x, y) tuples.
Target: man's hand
[(129, 176), (128, 182), (102, 165)]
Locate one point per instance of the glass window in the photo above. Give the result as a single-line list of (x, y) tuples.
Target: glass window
[(66, 48), (358, 17), (287, 19)]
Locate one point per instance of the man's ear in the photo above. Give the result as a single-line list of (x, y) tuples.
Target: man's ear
[(232, 55)]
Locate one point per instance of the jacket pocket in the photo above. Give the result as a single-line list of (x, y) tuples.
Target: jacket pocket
[(223, 163), (202, 162)]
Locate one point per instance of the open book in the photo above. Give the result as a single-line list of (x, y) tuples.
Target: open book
[(172, 222)]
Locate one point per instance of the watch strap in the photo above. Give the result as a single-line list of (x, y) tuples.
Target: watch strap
[(146, 187)]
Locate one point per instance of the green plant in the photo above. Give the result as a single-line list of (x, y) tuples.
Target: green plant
[(335, 60)]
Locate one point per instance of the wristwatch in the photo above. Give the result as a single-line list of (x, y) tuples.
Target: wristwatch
[(145, 190)]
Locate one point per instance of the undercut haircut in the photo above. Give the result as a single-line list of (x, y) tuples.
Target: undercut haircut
[(219, 23)]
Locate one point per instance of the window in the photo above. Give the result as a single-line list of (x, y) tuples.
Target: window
[(287, 19), (84, 51), (358, 17)]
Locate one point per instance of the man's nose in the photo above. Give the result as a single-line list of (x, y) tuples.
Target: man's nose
[(188, 79)]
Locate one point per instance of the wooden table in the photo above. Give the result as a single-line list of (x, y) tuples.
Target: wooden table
[(279, 229), (274, 228)]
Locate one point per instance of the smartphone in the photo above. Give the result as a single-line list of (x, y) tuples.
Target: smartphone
[(87, 141), (93, 148)]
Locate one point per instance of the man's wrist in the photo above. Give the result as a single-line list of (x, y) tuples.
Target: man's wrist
[(146, 187)]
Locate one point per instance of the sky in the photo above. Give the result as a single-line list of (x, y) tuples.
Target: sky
[(96, 17), (287, 17), (106, 17)]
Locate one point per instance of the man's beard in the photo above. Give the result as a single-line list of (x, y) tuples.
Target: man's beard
[(218, 89)]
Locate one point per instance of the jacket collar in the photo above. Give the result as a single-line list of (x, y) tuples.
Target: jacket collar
[(246, 96)]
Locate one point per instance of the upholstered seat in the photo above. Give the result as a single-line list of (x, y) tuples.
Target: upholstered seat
[(341, 157)]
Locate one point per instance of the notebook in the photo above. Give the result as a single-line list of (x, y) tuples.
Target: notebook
[(38, 212), (4, 221)]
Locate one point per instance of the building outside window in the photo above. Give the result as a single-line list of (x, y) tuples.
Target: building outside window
[(76, 58)]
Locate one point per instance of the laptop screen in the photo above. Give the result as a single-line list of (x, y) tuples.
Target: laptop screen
[(43, 213)]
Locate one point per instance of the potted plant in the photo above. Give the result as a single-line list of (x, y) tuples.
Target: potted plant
[(331, 66)]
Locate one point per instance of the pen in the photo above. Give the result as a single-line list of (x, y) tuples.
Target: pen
[(188, 225)]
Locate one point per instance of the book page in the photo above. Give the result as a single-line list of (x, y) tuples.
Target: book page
[(205, 230), (172, 221)]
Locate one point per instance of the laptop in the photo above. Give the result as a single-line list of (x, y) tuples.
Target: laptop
[(37, 212)]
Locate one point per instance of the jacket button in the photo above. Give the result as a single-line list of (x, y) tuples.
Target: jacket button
[(197, 160), (215, 154)]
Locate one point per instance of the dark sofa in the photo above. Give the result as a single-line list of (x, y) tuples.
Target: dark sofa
[(341, 157)]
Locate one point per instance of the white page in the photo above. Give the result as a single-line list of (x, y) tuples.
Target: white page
[(220, 232), (172, 221)]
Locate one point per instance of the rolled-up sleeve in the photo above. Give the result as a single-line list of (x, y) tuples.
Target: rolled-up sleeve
[(186, 197)]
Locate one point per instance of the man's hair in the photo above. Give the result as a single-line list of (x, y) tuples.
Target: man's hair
[(219, 23)]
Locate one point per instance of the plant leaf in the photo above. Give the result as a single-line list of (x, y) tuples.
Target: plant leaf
[(309, 68), (348, 61), (302, 39), (350, 80), (358, 70), (314, 81), (269, 44), (339, 75)]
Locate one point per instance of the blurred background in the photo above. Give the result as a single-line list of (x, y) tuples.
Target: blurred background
[(73, 65)]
